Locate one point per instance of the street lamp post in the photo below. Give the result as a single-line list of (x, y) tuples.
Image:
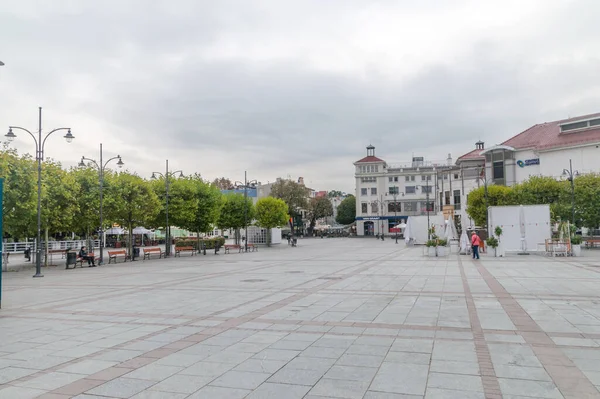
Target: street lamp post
[(101, 168), (571, 177), (39, 157), (395, 196), (166, 176), (251, 184)]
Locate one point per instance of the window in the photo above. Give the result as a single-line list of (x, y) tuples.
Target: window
[(410, 189), (374, 206), (363, 208), (423, 178), (393, 190), (393, 207), (456, 176), (396, 179), (390, 179), (426, 189), (429, 206), (456, 197), (445, 176), (410, 206), (579, 125), (498, 170), (412, 178), (407, 178), (363, 191), (447, 197), (374, 191), (368, 179)]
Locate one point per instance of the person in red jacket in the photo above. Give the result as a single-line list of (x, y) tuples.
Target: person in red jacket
[(475, 243)]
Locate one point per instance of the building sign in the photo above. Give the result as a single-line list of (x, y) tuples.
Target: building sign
[(371, 218), (528, 162)]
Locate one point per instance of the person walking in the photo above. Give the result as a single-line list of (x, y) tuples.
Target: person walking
[(83, 254), (475, 243)]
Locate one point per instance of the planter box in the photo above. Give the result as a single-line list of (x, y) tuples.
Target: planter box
[(441, 251), (431, 251), (454, 248), (576, 249)]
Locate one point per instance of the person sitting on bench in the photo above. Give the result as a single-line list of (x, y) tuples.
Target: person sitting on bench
[(83, 254)]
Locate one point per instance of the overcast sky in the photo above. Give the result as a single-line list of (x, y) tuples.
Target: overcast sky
[(299, 88)]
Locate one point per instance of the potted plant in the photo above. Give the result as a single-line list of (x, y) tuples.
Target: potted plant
[(431, 244), (500, 249), (492, 242), (576, 245), (441, 247)]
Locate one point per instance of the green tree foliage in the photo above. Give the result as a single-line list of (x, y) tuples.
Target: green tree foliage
[(335, 193), (86, 218), (132, 202), (346, 210), (20, 194), (236, 212), (587, 200), (295, 195), (318, 208), (207, 206), (59, 202), (271, 212), (183, 201), (496, 196)]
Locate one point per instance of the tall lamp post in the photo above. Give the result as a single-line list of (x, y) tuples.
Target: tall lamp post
[(167, 175), (40, 142), (101, 168), (571, 174), (247, 184)]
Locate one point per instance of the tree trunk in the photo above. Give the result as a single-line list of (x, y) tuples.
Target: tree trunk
[(268, 237), (130, 239)]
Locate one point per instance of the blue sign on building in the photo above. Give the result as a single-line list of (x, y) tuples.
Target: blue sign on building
[(528, 162), (251, 192)]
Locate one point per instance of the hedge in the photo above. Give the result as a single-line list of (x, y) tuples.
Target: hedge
[(192, 242)]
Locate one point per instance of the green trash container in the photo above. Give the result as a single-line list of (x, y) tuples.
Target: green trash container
[(71, 259)]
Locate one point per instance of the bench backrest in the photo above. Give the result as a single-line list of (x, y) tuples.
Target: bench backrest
[(184, 248), (152, 250), (119, 252)]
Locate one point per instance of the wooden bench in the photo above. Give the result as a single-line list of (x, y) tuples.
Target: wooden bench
[(79, 260), (113, 255), (52, 252), (252, 247), (592, 242), (151, 251), (179, 250), (229, 247)]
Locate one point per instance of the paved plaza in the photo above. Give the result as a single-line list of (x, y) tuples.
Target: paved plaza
[(332, 318)]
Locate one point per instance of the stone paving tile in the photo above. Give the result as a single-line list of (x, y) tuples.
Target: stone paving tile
[(51, 381), (296, 377), (401, 378), (180, 383), (240, 379), (20, 393), (340, 388), (537, 389), (211, 392), (362, 374), (270, 390), (87, 367), (121, 387), (455, 382)]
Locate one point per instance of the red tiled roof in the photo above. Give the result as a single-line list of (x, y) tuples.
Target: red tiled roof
[(370, 159), (471, 155), (547, 135)]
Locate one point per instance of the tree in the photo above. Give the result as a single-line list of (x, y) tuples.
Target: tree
[(183, 201), (207, 206), (223, 183), (59, 202), (132, 203), (346, 210), (20, 194), (86, 218), (587, 200), (271, 212), (496, 196), (335, 193), (295, 195), (318, 208), (236, 213)]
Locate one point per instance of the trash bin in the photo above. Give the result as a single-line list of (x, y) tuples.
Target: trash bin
[(28, 254), (71, 259), (136, 252)]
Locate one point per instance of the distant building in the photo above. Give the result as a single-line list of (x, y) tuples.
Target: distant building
[(387, 194), (251, 193)]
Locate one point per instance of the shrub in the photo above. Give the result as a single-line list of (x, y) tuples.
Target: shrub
[(194, 242), (576, 240), (442, 243), (431, 243), (492, 242)]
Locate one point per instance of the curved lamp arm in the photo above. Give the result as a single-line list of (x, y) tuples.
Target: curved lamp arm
[(91, 160), (112, 159), (68, 136), (11, 135)]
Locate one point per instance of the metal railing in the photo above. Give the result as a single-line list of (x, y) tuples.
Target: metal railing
[(20, 247)]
